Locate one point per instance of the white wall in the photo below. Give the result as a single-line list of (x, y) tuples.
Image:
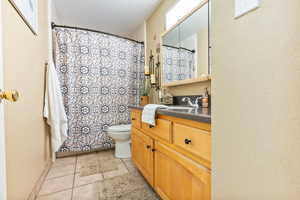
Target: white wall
[(139, 33), (256, 102), (54, 14)]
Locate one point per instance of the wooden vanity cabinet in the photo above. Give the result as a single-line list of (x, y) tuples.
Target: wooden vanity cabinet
[(176, 169)]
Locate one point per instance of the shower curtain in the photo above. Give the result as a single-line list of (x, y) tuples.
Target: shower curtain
[(100, 75), (178, 64)]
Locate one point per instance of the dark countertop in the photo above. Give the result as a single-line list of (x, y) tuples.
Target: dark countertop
[(200, 115)]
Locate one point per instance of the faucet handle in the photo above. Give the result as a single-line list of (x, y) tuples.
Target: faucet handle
[(197, 100), (186, 99)]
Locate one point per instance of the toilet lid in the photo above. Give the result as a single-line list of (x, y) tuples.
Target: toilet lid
[(120, 128)]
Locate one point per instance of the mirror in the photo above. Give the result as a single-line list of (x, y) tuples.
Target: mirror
[(186, 48), (171, 54)]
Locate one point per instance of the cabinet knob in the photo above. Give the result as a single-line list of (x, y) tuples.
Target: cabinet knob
[(153, 150), (187, 141), (133, 119), (148, 146)]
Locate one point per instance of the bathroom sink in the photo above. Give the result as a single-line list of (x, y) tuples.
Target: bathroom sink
[(181, 108)]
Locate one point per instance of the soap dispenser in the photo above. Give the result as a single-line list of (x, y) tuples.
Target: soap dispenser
[(205, 99)]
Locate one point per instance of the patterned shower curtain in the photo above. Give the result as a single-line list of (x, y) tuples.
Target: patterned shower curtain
[(100, 75), (178, 64)]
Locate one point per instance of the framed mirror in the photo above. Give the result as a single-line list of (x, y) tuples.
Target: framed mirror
[(171, 54), (185, 49)]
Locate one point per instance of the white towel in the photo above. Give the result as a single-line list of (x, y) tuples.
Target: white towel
[(149, 112), (54, 109)]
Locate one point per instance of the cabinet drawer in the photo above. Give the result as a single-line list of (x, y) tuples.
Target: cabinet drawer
[(136, 119), (193, 140), (161, 130)]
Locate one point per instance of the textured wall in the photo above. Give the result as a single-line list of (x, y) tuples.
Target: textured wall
[(27, 140), (256, 104), (139, 33), (55, 15), (155, 27)]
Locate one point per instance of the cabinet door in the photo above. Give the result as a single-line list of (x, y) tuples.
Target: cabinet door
[(177, 177), (142, 154), (136, 118)]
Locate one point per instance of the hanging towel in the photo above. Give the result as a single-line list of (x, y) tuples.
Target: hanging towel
[(149, 112), (54, 109)]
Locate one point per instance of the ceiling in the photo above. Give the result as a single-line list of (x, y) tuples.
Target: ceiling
[(121, 17)]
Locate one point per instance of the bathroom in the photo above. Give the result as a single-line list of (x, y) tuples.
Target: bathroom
[(149, 100)]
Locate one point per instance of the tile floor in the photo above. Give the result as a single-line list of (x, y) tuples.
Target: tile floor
[(72, 178)]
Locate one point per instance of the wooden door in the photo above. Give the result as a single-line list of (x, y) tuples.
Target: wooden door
[(2, 132), (179, 178), (142, 154)]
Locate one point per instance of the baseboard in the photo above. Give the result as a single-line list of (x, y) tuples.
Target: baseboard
[(36, 189)]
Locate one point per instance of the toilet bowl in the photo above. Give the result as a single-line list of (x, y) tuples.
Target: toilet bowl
[(121, 135)]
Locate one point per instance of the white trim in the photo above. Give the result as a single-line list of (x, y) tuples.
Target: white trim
[(3, 192), (25, 13)]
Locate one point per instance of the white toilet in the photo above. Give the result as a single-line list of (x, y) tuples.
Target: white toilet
[(121, 135)]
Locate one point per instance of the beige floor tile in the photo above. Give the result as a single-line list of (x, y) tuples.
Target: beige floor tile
[(86, 192), (60, 171), (57, 184), (78, 166), (121, 171), (85, 161), (106, 155), (84, 180), (126, 159), (109, 165), (130, 166), (64, 195), (64, 161), (86, 157)]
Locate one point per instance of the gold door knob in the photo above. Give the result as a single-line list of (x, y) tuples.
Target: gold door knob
[(12, 95)]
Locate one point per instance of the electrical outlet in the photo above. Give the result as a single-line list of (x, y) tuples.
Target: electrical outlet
[(242, 7)]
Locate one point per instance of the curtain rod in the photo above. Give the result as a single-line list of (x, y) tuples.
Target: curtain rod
[(193, 51), (53, 25)]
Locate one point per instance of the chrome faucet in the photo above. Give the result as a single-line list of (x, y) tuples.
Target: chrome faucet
[(194, 105)]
